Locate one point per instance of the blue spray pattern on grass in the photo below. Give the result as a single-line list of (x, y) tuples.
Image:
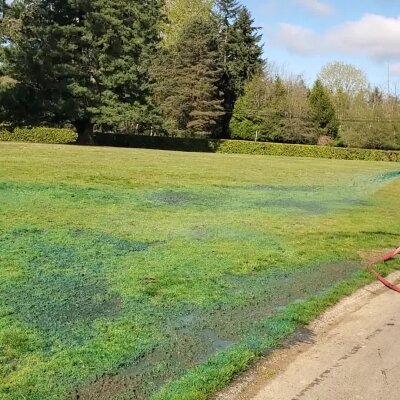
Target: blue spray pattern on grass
[(63, 287), (193, 331), (310, 199)]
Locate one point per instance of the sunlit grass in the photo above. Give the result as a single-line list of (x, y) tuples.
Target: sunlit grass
[(123, 269)]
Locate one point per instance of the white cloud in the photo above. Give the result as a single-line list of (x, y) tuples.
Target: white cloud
[(373, 36), (317, 7), (298, 39)]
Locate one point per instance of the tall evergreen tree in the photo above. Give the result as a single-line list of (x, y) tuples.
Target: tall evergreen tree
[(261, 110), (248, 117), (240, 52), (244, 52), (228, 11), (83, 62), (186, 77), (322, 111)]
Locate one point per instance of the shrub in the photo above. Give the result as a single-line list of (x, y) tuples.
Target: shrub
[(39, 135)]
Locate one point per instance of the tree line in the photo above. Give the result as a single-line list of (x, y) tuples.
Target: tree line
[(339, 109), (171, 67), (175, 67)]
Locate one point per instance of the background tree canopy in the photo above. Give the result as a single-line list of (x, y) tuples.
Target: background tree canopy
[(177, 68), (82, 62)]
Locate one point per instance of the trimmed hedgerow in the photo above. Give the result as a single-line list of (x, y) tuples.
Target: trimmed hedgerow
[(244, 147), (155, 142), (298, 150), (63, 136), (39, 135)]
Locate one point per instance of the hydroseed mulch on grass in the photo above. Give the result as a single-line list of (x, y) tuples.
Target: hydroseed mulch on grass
[(135, 274)]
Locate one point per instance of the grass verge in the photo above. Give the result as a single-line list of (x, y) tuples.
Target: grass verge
[(205, 380)]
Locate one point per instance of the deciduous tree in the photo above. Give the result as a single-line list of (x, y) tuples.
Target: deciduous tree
[(179, 13), (338, 77)]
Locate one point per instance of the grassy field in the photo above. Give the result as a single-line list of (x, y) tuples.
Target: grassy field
[(135, 274)]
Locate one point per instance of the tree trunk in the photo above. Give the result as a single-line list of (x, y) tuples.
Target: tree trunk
[(84, 128)]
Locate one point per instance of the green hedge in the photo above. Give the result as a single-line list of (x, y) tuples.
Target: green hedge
[(155, 142), (244, 147), (63, 136), (298, 150), (39, 135)]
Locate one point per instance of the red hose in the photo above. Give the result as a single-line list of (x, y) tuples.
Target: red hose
[(386, 257)]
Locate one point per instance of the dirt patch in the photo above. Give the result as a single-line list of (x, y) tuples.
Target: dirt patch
[(150, 372), (274, 290), (368, 256)]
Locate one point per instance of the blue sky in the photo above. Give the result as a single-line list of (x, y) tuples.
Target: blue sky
[(301, 36)]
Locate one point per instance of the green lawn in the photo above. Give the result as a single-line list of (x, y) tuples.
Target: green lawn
[(121, 269)]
